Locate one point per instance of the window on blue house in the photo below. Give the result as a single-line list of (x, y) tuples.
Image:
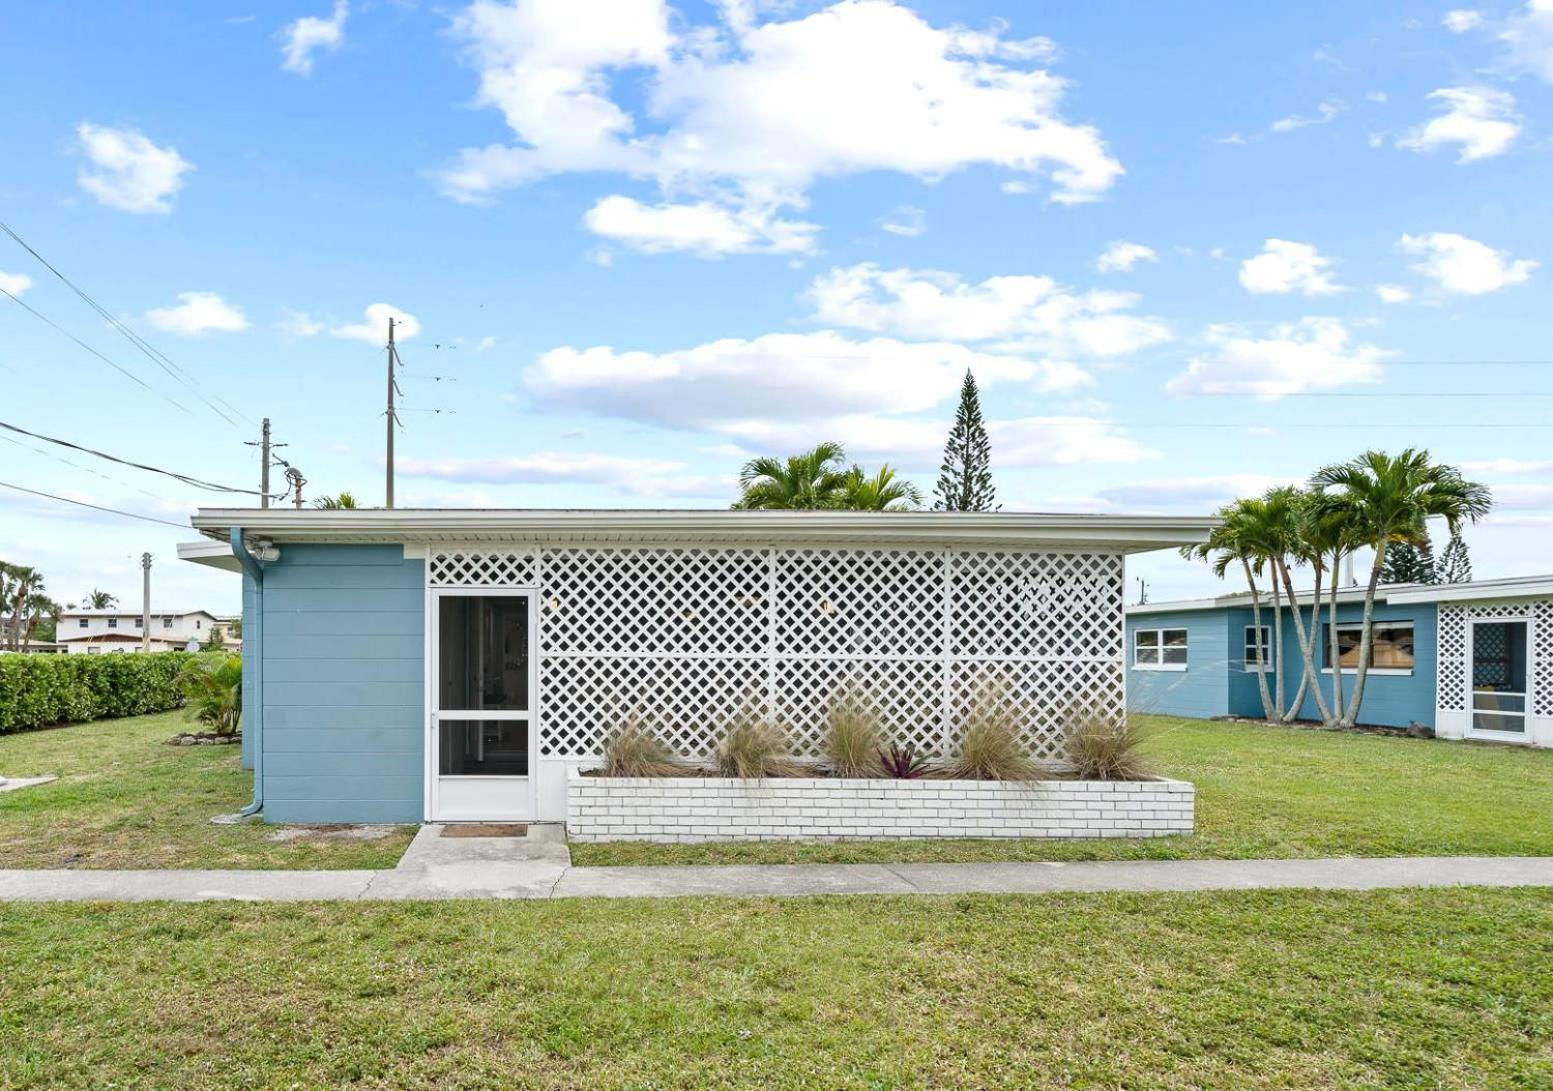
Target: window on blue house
[(1391, 646), (1259, 644), (1159, 649)]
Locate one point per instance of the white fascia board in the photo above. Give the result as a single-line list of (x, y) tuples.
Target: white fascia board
[(1519, 587), (1120, 533), (210, 553)]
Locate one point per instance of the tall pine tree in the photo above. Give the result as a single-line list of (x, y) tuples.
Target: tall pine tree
[(1407, 563), (965, 479), (1455, 562)]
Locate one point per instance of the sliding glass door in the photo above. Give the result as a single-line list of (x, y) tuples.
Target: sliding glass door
[(482, 719)]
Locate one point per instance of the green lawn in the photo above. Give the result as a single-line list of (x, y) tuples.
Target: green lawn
[(126, 800), (1261, 792), (1443, 988)]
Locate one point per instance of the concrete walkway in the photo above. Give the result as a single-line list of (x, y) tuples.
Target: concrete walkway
[(538, 867)]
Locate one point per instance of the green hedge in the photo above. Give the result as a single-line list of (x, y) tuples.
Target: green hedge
[(39, 690)]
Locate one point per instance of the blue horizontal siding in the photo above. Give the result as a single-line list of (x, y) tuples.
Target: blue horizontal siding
[(336, 669), (343, 810), (1199, 691), (302, 622), (1389, 700), (356, 763), (356, 646), (343, 691)]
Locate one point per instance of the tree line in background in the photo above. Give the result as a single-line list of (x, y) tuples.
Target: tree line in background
[(819, 479), (28, 614), (1375, 501)]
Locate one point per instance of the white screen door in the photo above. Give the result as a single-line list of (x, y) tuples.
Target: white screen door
[(483, 680), (1498, 651)]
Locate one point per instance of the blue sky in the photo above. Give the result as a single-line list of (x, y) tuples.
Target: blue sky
[(1189, 250)]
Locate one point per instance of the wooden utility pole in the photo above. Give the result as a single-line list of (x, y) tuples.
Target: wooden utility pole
[(388, 492), (264, 472), (145, 603)]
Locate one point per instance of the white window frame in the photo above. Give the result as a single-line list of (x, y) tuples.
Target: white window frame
[(1159, 647), (1392, 672), (1267, 648)]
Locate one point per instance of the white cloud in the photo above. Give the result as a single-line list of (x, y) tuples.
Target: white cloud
[(1380, 98), (1463, 266), (373, 328), (307, 35), (1283, 267), (1309, 354), (131, 173), (1508, 466), (703, 228), (1393, 293), (301, 324), (636, 476), (1122, 257), (15, 283), (780, 392), (776, 376), (1482, 120), (907, 221), (749, 111), (1203, 494), (1325, 113), (1461, 20), (1015, 188), (198, 313), (1528, 39), (1032, 313)]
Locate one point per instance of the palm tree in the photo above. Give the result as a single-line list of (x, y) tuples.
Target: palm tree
[(23, 583), (884, 491), (99, 600), (1288, 513), (1232, 543), (1390, 499), (345, 501), (808, 481), (39, 608)]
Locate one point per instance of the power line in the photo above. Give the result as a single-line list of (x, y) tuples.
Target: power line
[(77, 466), (94, 507), (198, 483), (154, 354), (130, 375)]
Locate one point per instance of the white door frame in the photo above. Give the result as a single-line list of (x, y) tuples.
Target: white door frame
[(1474, 732), (524, 800)]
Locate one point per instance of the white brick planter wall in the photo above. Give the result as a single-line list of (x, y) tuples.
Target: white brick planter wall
[(684, 809)]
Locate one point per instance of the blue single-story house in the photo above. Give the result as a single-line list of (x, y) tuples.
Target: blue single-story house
[(447, 665), (1470, 660)]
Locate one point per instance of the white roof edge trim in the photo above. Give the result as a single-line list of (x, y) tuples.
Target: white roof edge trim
[(1513, 587), (212, 554), (1236, 599), (1136, 531)]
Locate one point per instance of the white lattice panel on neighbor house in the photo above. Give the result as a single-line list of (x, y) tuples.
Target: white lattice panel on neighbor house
[(686, 637), (1455, 670)]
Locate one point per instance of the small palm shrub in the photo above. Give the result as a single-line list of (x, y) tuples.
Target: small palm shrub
[(755, 747), (902, 762), (632, 750), (852, 737), (214, 691), (990, 746), (1102, 749)]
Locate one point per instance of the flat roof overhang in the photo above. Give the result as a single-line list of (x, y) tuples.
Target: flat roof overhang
[(1120, 533)]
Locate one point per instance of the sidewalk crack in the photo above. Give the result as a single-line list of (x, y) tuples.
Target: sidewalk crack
[(915, 889)]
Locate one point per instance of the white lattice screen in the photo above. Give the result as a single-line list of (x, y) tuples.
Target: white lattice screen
[(686, 637), (1455, 671)]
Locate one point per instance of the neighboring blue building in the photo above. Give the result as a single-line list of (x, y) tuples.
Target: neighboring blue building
[(1470, 660)]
